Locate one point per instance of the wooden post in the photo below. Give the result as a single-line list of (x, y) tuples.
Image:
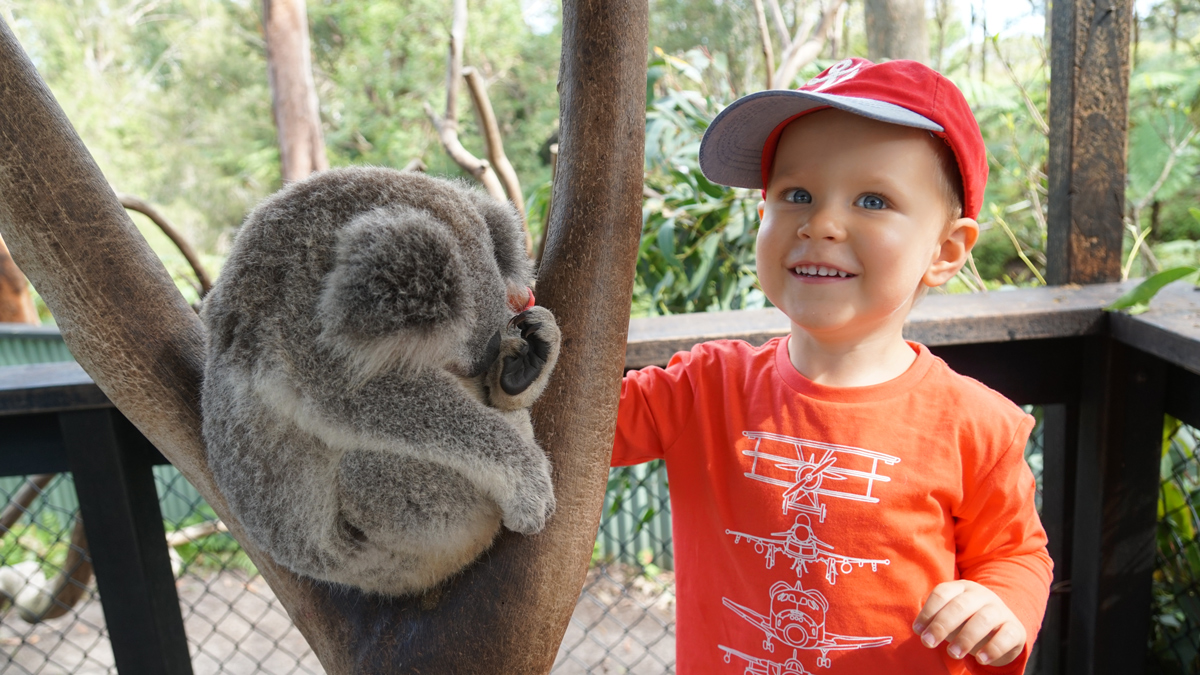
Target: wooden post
[(111, 463), (1089, 95), (1123, 395)]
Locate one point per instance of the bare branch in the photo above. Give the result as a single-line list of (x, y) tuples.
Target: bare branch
[(781, 27), (803, 52), (415, 164), (541, 245), (447, 125), (134, 204), (495, 147), (764, 33), (293, 92), (1029, 105)]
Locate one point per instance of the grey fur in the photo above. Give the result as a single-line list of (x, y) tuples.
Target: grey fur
[(351, 404)]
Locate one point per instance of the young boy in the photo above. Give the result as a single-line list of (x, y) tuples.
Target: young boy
[(842, 501)]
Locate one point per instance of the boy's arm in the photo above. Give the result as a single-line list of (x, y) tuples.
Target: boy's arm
[(1001, 547), (655, 403)]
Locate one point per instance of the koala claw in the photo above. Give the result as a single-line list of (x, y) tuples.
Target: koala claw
[(527, 357)]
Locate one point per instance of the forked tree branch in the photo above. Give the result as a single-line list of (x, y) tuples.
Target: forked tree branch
[(804, 50), (495, 147), (447, 124), (135, 335)]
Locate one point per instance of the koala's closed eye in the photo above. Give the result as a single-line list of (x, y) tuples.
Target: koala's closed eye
[(369, 424)]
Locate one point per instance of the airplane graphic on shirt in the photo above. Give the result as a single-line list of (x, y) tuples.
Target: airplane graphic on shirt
[(797, 619), (809, 477), (757, 666), (802, 545)]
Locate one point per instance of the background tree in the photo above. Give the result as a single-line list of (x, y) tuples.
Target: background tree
[(293, 93), (896, 30)]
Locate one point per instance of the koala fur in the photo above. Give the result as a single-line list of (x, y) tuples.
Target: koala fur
[(367, 384)]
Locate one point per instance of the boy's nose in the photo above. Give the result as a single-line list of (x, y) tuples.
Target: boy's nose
[(823, 223)]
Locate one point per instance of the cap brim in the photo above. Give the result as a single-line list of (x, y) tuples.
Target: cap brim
[(732, 147)]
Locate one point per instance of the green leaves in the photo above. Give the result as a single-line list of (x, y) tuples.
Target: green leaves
[(1137, 300)]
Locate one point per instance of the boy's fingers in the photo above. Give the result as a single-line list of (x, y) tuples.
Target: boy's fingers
[(953, 614), (941, 594), (976, 631), (1003, 647)]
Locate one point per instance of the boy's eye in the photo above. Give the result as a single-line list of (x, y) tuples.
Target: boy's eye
[(873, 202), (797, 196)]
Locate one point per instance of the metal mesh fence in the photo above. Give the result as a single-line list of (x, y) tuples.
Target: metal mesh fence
[(51, 619), (1175, 639)]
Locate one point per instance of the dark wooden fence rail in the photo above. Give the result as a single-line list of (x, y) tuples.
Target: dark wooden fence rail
[(1107, 378)]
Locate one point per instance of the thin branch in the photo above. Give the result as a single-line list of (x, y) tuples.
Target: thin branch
[(134, 204), (495, 144), (415, 164), (802, 52), (447, 125), (764, 34), (1033, 111), (541, 245), (781, 27)]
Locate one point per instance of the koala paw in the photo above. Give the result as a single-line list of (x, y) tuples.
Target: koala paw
[(528, 352), (532, 503)]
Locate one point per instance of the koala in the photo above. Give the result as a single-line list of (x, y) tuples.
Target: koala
[(369, 371)]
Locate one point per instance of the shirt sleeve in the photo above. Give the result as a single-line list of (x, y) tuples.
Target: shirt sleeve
[(1001, 544), (655, 404)]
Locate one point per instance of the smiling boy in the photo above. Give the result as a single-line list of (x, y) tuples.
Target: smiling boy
[(842, 501)]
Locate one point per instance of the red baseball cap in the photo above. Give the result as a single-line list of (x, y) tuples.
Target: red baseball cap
[(739, 145)]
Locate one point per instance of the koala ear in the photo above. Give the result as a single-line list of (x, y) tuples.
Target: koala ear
[(395, 291), (508, 237)]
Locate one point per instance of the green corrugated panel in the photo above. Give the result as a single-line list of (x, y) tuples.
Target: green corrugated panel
[(21, 345)]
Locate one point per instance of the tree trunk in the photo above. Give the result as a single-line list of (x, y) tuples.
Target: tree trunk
[(16, 304), (143, 345), (293, 93), (896, 30)]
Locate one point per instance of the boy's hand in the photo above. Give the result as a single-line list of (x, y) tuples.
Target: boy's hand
[(972, 620)]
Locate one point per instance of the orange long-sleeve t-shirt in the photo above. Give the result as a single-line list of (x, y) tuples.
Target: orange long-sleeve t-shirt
[(811, 522)]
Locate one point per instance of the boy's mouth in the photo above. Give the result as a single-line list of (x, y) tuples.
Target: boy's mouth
[(820, 272)]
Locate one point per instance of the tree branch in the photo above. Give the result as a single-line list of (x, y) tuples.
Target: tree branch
[(495, 147), (447, 125), (764, 34), (134, 204), (803, 51), (781, 27)]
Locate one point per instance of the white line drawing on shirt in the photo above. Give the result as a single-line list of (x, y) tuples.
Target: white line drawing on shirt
[(797, 620), (809, 474), (802, 545), (757, 666)]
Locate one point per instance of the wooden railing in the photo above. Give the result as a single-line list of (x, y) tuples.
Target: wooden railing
[(1105, 381)]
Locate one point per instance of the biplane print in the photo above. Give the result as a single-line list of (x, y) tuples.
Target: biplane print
[(757, 666), (818, 471), (801, 544), (797, 619)]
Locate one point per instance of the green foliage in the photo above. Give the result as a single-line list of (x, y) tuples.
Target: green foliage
[(1138, 299), (45, 541), (697, 247)]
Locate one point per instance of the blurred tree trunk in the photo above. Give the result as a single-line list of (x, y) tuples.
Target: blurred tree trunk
[(896, 30), (16, 304), (293, 93)]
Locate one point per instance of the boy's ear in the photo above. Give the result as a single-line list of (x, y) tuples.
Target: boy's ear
[(951, 255), (761, 205)]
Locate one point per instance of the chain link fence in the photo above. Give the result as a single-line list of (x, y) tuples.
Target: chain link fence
[(51, 619), (1175, 639)]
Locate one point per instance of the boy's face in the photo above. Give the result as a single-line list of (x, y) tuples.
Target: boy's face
[(865, 200)]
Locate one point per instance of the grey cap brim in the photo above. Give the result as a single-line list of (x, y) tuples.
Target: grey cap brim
[(732, 147)]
